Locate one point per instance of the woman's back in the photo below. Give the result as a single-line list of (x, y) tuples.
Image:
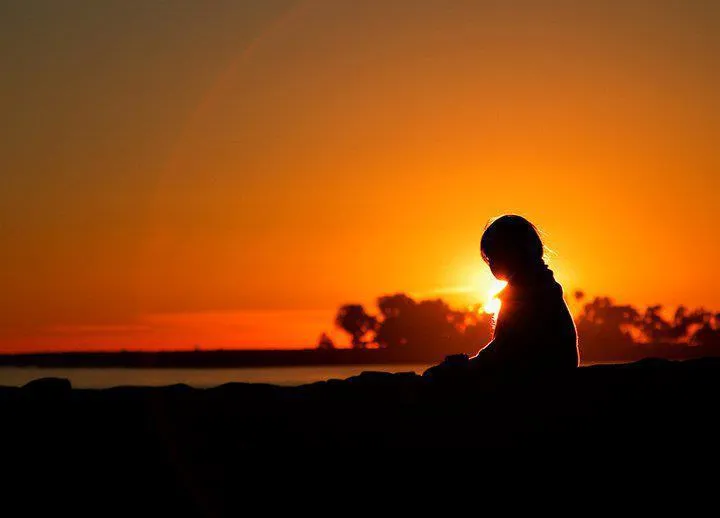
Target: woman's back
[(534, 328)]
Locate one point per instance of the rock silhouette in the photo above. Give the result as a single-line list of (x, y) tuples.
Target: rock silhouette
[(184, 449)]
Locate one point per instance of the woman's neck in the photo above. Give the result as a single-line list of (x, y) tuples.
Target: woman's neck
[(529, 274)]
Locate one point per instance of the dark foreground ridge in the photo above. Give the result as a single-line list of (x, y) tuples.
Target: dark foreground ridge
[(190, 445)]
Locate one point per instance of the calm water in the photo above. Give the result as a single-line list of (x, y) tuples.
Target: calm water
[(103, 378)]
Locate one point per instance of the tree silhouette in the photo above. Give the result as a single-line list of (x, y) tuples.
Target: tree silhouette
[(653, 326), (429, 329), (393, 305), (325, 343), (353, 319), (397, 323), (477, 328), (605, 329), (708, 333), (426, 325), (425, 328)]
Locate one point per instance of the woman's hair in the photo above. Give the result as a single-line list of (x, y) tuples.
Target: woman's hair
[(511, 238)]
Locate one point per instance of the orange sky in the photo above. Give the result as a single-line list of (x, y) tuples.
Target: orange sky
[(227, 173)]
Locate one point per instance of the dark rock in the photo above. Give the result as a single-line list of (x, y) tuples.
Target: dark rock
[(48, 385), (177, 446)]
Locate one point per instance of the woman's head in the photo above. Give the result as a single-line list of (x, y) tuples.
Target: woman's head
[(511, 244)]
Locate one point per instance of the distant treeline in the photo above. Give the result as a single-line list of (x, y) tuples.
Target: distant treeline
[(607, 331), (405, 330)]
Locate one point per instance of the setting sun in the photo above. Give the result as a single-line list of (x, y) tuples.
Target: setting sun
[(492, 303)]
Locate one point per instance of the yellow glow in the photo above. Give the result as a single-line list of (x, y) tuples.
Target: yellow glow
[(492, 303), (484, 289)]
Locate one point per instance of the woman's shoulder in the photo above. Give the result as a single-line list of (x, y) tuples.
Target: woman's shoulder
[(547, 290)]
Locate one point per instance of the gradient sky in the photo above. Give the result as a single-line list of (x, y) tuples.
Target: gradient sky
[(226, 173)]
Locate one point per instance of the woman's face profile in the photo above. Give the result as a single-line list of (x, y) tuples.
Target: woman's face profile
[(498, 270)]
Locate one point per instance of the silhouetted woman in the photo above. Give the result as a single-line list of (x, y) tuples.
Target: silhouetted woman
[(534, 329)]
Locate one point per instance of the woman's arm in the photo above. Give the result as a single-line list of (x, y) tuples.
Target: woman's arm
[(499, 349), (484, 351), (490, 355)]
